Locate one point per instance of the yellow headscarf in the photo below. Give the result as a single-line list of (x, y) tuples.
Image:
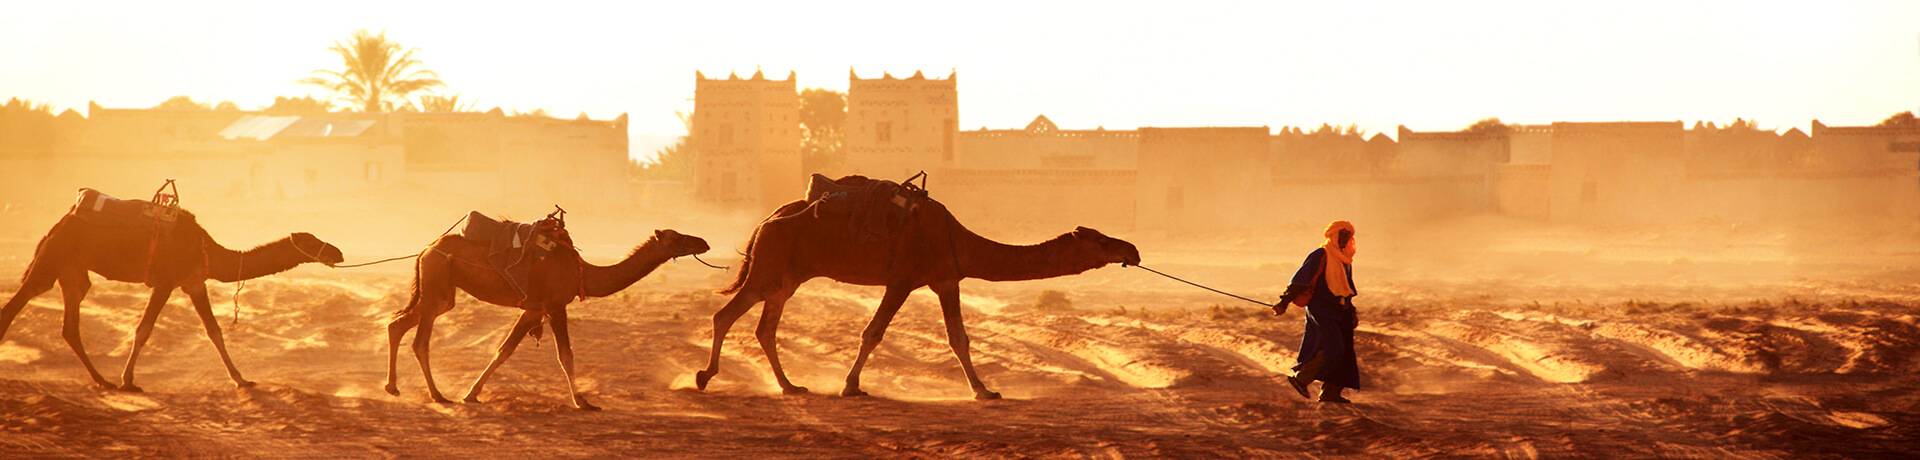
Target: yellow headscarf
[(1338, 258)]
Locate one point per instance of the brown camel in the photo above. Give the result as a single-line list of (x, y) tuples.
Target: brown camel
[(184, 258), (457, 262), (935, 251)]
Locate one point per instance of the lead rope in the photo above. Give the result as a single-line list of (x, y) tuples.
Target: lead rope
[(241, 263), (1303, 311)]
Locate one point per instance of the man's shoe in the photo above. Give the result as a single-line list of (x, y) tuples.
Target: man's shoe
[(1334, 399), (1298, 386)]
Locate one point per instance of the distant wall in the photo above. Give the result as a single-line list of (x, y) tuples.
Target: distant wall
[(1038, 199), (1522, 190)]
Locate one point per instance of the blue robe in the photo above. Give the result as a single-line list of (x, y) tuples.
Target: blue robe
[(1330, 325)]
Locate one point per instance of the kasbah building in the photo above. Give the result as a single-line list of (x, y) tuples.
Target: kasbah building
[(746, 138), (746, 135)]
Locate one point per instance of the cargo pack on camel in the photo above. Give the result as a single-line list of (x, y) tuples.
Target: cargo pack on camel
[(155, 219), (874, 208), (513, 247)]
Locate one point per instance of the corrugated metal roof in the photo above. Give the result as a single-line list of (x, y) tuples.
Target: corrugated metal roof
[(264, 127), (257, 127)]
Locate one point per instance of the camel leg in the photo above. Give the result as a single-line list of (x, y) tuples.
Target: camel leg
[(528, 320), (73, 288), (563, 346), (876, 329), (198, 293), (769, 332), (143, 332), (957, 337), (423, 344), (723, 321), (396, 331), (35, 283)]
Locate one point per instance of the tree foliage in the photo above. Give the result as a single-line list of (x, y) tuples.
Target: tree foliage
[(376, 75), (444, 104), (181, 103), (823, 120), (673, 162), (1490, 125), (1902, 119), (297, 106)]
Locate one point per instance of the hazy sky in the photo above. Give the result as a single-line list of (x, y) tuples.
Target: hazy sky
[(1428, 65)]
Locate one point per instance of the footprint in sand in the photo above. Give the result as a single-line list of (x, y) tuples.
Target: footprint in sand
[(129, 402), (1857, 420), (10, 353)]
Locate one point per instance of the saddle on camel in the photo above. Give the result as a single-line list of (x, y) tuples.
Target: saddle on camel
[(533, 267), (871, 232), (154, 242)]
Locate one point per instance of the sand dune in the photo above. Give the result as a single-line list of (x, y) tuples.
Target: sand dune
[(1449, 372)]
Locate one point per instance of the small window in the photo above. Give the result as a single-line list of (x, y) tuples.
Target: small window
[(883, 132), (371, 172), (726, 134)]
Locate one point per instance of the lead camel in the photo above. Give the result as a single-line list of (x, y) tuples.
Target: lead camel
[(934, 251)]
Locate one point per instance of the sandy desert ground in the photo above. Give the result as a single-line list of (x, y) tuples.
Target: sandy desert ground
[(1727, 353)]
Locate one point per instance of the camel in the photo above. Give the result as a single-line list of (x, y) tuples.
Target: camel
[(795, 245), (454, 261), (184, 259)]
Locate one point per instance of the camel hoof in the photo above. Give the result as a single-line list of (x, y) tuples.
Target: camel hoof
[(700, 379), (582, 404), (853, 393), (244, 384), (131, 388), (393, 389), (984, 395), (470, 399), (796, 390), (442, 399)]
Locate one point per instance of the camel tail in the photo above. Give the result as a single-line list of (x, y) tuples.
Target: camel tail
[(412, 302), (40, 250), (746, 263), (746, 256)]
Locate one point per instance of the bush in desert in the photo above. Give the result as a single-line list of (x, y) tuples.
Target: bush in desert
[(1051, 301)]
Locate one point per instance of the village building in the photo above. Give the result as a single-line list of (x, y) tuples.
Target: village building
[(1042, 178), (897, 127), (746, 139), (242, 158), (1201, 179)]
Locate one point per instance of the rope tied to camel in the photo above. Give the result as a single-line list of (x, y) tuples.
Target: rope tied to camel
[(1303, 311)]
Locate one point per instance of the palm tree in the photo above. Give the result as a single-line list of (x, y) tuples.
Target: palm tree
[(378, 73)]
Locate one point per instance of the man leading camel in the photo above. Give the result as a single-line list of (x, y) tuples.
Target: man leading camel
[(1324, 285)]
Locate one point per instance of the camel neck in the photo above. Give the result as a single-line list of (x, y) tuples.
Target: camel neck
[(604, 281), (227, 265), (990, 260)]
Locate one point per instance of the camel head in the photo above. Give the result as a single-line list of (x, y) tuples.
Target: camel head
[(316, 250), (679, 244), (1104, 248)]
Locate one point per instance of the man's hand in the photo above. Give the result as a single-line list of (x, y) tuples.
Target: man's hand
[(1280, 309)]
